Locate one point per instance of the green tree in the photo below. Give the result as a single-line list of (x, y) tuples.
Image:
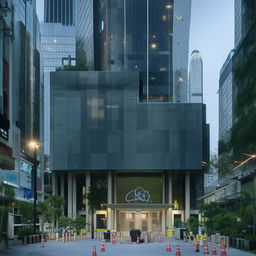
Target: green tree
[(64, 221), (7, 199), (96, 197), (208, 212), (44, 212), (79, 223), (57, 204), (192, 223)]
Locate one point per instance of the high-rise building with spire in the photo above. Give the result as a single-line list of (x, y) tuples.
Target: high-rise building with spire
[(196, 78)]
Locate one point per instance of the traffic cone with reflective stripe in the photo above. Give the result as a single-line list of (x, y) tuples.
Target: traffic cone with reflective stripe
[(42, 242), (197, 246), (206, 250), (178, 251), (223, 249), (102, 249), (113, 239), (214, 251), (168, 248), (94, 253)]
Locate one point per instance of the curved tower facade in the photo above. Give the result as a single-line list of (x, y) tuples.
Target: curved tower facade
[(196, 78)]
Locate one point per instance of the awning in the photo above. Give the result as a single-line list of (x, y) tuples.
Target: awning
[(138, 206)]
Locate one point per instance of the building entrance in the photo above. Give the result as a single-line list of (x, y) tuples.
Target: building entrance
[(144, 220)]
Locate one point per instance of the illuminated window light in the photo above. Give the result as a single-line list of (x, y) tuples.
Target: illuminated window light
[(153, 46), (168, 6), (180, 79)]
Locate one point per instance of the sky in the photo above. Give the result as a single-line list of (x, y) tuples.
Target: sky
[(212, 33)]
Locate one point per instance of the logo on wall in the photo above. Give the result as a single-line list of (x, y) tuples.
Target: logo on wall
[(138, 195)]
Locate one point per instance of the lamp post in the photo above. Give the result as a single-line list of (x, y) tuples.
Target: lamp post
[(34, 145)]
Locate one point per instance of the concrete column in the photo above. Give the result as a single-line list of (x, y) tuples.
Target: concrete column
[(54, 187), (87, 185), (110, 221), (187, 195), (74, 196), (109, 188), (163, 176), (109, 216), (70, 194), (163, 222), (169, 212), (62, 185)]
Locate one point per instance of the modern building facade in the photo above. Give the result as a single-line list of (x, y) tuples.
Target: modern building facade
[(57, 50), (20, 105), (196, 78), (149, 37), (244, 80), (226, 99), (60, 11), (148, 156)]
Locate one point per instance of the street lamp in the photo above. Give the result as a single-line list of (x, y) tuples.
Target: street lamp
[(34, 145)]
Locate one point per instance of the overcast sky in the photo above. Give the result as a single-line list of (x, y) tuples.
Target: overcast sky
[(212, 33)]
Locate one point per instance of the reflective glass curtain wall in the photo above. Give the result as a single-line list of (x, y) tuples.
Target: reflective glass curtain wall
[(60, 11), (147, 36)]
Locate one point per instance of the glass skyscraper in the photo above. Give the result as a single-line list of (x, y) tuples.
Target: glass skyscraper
[(196, 78), (57, 49), (60, 11), (150, 37)]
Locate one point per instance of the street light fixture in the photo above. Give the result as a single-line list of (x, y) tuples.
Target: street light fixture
[(34, 145)]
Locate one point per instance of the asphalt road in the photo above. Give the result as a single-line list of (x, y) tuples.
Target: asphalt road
[(84, 248)]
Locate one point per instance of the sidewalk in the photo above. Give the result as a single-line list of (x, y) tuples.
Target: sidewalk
[(84, 248)]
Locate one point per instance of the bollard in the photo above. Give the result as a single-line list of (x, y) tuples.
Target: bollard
[(75, 234)]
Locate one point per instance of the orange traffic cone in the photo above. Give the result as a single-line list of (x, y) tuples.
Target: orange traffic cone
[(197, 246), (214, 251), (206, 250), (178, 251), (223, 249), (94, 253), (138, 240), (42, 242), (113, 239), (168, 248), (102, 249), (130, 240)]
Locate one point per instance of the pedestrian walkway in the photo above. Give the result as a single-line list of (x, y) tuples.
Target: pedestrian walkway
[(84, 247)]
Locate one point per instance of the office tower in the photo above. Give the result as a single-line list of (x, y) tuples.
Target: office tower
[(57, 50), (238, 21), (60, 11), (226, 96), (196, 78), (20, 104), (149, 37), (118, 127)]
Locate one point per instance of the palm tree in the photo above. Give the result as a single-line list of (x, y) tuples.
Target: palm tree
[(56, 204), (45, 212)]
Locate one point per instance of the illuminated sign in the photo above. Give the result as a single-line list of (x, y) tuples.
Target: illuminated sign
[(138, 195), (4, 134)]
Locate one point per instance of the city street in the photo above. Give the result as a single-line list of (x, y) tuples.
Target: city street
[(84, 248)]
